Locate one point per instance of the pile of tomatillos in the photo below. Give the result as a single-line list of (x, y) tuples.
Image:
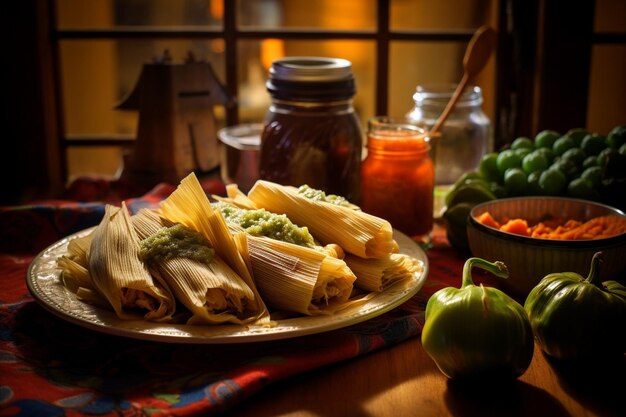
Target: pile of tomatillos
[(577, 164)]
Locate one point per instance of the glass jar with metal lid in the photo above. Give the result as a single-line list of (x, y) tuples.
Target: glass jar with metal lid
[(311, 133), (465, 136), (397, 176)]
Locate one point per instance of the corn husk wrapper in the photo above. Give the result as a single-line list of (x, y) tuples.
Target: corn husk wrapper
[(74, 275), (333, 250), (78, 248), (356, 232), (120, 276), (237, 198), (377, 274), (91, 296), (297, 279), (74, 264), (212, 292), (189, 206)]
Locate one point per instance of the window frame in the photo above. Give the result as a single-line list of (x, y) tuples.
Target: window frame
[(231, 34), (528, 31)]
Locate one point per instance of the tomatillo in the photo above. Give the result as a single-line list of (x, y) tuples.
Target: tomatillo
[(477, 331), (574, 317)]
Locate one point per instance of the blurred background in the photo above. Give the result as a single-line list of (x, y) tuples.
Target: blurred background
[(68, 63)]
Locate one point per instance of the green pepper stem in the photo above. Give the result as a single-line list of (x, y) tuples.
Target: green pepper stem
[(497, 268), (594, 275)]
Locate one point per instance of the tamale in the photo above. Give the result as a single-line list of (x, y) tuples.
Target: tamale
[(120, 276), (356, 232), (189, 206), (211, 291), (296, 278), (377, 274)]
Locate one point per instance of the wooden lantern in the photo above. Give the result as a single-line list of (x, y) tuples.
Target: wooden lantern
[(177, 132)]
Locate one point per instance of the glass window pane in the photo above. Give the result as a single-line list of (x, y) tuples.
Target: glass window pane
[(610, 16), (441, 14), (417, 63), (412, 64), (607, 84), (256, 58), (104, 161), (97, 75), (112, 13), (90, 79), (321, 14)]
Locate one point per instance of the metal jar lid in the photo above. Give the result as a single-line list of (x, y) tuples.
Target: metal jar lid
[(438, 95), (311, 78)]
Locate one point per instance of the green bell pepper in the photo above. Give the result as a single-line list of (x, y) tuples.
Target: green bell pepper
[(575, 318), (477, 331)]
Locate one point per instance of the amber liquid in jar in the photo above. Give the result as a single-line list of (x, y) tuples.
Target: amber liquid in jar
[(397, 179), (315, 145), (311, 133)]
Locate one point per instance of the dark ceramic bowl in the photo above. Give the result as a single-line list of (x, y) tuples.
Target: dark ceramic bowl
[(529, 259)]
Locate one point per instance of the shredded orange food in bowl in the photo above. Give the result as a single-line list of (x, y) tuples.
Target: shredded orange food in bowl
[(560, 229)]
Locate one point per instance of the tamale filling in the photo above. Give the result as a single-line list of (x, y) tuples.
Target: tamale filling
[(132, 298), (219, 301)]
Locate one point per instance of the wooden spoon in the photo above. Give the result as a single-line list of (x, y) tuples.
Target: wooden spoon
[(476, 55)]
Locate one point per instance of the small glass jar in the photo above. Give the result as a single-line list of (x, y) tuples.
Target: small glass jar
[(397, 176), (465, 136), (312, 134), (240, 154)]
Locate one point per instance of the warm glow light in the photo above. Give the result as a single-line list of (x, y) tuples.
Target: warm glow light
[(218, 46), (386, 398), (271, 49), (216, 9)]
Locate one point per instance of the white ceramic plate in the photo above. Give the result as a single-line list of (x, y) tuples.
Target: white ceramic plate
[(44, 283)]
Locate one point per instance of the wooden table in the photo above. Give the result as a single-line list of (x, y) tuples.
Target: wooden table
[(404, 381), (46, 369)]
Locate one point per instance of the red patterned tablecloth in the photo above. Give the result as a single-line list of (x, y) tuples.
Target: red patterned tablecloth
[(50, 367)]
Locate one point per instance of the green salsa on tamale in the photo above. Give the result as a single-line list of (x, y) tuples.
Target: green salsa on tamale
[(261, 222), (176, 241), (319, 195)]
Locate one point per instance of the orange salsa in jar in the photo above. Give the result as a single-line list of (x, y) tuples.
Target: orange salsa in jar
[(397, 176)]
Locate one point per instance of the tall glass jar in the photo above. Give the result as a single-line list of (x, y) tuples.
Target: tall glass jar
[(312, 134), (397, 176), (465, 136)]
